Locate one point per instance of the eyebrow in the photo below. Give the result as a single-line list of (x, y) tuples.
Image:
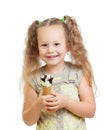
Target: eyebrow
[(43, 42)]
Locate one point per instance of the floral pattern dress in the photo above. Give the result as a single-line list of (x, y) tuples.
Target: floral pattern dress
[(66, 83)]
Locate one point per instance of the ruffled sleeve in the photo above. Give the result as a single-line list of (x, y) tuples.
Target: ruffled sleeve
[(30, 80), (34, 82), (79, 76), (75, 75)]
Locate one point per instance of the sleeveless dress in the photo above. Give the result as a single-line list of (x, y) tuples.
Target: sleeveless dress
[(67, 83)]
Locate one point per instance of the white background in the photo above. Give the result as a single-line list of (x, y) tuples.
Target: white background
[(15, 17)]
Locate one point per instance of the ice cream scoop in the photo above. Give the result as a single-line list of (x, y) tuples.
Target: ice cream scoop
[(46, 83)]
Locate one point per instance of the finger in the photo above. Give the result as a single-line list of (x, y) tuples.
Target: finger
[(52, 99), (54, 94), (51, 108), (48, 97), (52, 104)]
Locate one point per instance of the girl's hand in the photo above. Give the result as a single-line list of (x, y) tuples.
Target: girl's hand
[(43, 100), (57, 101)]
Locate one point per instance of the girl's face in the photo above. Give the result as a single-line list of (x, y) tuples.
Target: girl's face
[(52, 44)]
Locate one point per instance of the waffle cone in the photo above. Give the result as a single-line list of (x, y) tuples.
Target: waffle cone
[(46, 90)]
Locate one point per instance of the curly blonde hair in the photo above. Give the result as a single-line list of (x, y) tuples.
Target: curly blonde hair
[(78, 53)]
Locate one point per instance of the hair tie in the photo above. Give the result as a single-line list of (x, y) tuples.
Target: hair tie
[(40, 22), (63, 19)]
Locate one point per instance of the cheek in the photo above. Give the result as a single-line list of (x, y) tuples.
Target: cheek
[(62, 50), (42, 52)]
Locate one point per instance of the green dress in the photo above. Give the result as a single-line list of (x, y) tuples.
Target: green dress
[(66, 83)]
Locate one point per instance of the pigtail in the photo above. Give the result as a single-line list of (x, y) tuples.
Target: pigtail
[(77, 49), (31, 56)]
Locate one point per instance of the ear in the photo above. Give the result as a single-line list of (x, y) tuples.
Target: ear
[(68, 47)]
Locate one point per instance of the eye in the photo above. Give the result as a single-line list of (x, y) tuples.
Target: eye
[(56, 44), (44, 45)]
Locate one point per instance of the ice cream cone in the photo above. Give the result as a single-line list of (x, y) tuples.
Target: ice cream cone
[(46, 90), (46, 83)]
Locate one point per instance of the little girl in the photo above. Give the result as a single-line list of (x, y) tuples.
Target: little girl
[(72, 98)]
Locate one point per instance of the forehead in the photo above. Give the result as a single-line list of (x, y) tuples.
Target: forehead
[(52, 30)]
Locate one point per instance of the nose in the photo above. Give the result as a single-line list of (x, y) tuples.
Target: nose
[(50, 49)]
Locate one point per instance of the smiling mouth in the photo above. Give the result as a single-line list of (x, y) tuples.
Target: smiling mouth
[(52, 57)]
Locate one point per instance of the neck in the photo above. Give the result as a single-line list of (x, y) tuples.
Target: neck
[(55, 69)]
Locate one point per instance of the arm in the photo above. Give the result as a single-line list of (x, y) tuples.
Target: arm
[(33, 104), (83, 108), (86, 106)]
